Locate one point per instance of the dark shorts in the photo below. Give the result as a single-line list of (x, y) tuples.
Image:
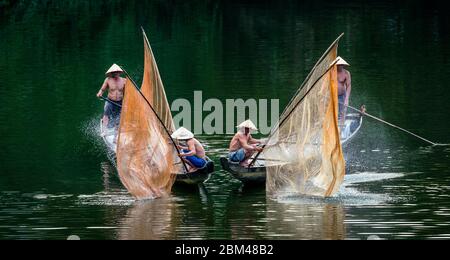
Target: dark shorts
[(237, 156), (341, 100), (113, 113), (195, 161)]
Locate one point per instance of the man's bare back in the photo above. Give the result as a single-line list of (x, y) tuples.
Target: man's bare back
[(235, 143), (199, 150)]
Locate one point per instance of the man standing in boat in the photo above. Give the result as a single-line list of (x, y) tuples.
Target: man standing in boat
[(344, 86), (192, 150), (115, 86), (243, 145)]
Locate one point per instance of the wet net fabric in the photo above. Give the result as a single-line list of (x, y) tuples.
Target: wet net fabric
[(153, 88), (145, 154), (304, 152)]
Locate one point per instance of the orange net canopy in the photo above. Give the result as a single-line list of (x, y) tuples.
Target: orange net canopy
[(304, 154), (145, 153), (153, 89), (147, 158)]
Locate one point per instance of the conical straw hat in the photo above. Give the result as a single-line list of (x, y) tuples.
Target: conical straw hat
[(114, 68), (182, 134), (340, 61), (248, 124)]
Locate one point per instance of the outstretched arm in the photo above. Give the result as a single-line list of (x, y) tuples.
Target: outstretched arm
[(253, 140), (103, 88), (246, 145)]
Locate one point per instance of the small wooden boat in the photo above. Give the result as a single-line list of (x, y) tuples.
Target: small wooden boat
[(109, 136), (199, 176), (353, 123), (256, 175)]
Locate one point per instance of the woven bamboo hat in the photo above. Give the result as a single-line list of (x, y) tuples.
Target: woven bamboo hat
[(182, 134), (340, 61), (248, 124), (114, 68)]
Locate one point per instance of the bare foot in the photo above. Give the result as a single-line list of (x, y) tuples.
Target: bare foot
[(245, 163)]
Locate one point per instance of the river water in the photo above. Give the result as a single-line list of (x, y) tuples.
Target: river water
[(56, 180)]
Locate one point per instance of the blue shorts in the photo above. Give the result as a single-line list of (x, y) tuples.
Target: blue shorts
[(113, 113), (237, 156), (195, 161), (341, 100)]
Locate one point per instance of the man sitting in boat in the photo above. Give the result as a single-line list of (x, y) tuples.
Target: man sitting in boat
[(192, 150), (243, 145), (115, 85), (344, 86)]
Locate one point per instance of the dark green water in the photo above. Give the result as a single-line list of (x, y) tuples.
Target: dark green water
[(55, 179)]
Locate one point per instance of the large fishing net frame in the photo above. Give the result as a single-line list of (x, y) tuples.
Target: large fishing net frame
[(304, 153)]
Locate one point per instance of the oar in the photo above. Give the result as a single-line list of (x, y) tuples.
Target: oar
[(395, 126), (110, 101)]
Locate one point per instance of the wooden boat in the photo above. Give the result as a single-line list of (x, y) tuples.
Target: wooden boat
[(353, 123), (256, 175), (199, 176)]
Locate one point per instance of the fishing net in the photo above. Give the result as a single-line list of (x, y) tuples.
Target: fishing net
[(147, 159), (153, 89), (145, 154), (305, 151)]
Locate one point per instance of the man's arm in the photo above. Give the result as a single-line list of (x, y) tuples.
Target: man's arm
[(246, 145), (103, 88), (253, 140), (181, 147), (192, 150)]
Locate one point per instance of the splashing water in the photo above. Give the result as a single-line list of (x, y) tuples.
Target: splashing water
[(117, 198), (348, 193), (91, 130)]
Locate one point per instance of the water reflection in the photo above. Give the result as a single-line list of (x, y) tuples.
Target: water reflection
[(305, 221), (108, 171), (150, 220)]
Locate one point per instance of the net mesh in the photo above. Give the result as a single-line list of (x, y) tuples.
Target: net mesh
[(153, 89), (305, 150), (147, 159), (145, 154)]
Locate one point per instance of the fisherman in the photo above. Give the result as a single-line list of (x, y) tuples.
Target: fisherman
[(344, 86), (243, 145), (115, 86), (192, 150)]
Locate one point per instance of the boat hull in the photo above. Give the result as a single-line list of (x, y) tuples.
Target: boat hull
[(248, 176), (200, 176)]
